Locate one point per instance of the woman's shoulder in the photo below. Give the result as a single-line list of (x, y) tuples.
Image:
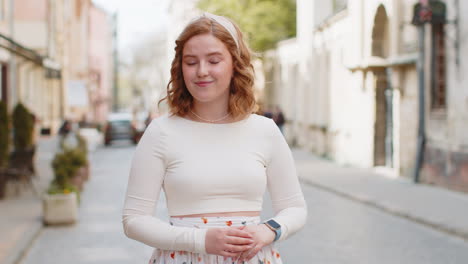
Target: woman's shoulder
[(160, 123), (166, 119), (262, 121)]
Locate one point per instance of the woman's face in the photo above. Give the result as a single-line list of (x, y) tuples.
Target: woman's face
[(207, 69)]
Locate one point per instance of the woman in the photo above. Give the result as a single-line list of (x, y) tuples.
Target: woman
[(214, 160)]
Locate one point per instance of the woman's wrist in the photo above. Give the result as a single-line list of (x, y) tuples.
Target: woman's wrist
[(270, 233)]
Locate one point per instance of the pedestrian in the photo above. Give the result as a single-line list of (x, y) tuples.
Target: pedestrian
[(214, 160), (65, 128), (278, 117), (268, 113)]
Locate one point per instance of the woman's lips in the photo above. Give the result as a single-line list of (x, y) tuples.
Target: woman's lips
[(203, 84)]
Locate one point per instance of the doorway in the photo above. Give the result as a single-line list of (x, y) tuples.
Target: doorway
[(383, 126)]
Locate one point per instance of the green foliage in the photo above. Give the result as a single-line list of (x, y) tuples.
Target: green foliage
[(66, 164), (23, 126), (264, 22), (4, 134), (82, 145)]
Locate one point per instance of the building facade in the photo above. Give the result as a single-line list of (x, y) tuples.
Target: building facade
[(32, 74), (100, 63), (352, 94), (50, 54)]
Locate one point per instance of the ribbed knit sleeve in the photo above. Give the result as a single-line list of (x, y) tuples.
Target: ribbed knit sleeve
[(283, 185), (146, 177)]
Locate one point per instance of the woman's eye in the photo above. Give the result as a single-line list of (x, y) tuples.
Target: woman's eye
[(214, 61), (191, 63)]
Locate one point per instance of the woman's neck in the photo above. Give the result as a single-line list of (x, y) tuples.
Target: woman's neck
[(216, 113)]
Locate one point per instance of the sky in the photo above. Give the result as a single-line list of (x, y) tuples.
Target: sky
[(136, 18)]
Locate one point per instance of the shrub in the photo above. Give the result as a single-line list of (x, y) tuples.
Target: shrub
[(82, 145), (66, 164), (23, 126), (4, 135)]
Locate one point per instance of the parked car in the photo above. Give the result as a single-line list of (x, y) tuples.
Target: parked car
[(120, 126)]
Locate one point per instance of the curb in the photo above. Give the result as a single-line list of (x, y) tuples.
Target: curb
[(390, 210), (17, 252)]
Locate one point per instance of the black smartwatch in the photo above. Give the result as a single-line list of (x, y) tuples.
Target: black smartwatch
[(275, 227)]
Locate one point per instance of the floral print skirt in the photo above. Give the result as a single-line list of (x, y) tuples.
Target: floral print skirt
[(267, 255)]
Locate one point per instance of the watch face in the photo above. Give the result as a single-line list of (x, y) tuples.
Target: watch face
[(273, 224)]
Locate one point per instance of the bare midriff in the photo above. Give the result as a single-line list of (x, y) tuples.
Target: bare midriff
[(223, 214)]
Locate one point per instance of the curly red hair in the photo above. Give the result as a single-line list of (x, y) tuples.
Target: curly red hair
[(241, 99)]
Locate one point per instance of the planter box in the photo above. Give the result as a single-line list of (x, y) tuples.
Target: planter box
[(59, 209)]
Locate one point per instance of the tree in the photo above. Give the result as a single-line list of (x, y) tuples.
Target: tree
[(264, 22)]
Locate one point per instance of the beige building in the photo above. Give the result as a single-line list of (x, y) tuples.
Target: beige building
[(100, 43), (56, 58), (30, 71), (351, 93)]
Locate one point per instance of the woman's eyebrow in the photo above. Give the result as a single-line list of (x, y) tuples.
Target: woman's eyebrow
[(214, 53), (209, 54)]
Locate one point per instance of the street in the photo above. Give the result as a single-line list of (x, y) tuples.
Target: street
[(338, 230)]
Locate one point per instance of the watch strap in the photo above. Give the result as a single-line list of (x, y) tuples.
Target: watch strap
[(276, 230)]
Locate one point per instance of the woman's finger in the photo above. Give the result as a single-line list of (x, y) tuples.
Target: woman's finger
[(252, 253), (233, 240), (238, 233), (237, 249), (228, 254), (243, 256)]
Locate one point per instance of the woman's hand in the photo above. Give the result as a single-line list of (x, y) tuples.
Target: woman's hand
[(228, 241), (262, 236)]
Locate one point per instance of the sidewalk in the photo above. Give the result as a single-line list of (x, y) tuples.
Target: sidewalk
[(435, 207), (20, 215)]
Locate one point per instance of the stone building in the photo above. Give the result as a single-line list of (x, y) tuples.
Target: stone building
[(351, 93)]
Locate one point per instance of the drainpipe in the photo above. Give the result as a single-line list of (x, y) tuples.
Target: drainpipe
[(424, 17)]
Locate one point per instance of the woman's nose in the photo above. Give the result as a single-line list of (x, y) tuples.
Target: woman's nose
[(202, 70)]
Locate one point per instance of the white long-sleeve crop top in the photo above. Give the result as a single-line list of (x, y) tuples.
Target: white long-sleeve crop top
[(209, 168)]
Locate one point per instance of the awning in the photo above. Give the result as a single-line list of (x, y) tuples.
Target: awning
[(373, 63), (52, 68)]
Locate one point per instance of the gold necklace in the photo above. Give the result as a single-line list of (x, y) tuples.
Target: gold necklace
[(208, 120)]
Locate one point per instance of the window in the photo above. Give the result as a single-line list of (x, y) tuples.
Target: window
[(438, 67)]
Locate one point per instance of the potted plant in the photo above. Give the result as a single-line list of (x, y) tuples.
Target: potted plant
[(79, 144), (60, 204), (82, 146), (4, 146)]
